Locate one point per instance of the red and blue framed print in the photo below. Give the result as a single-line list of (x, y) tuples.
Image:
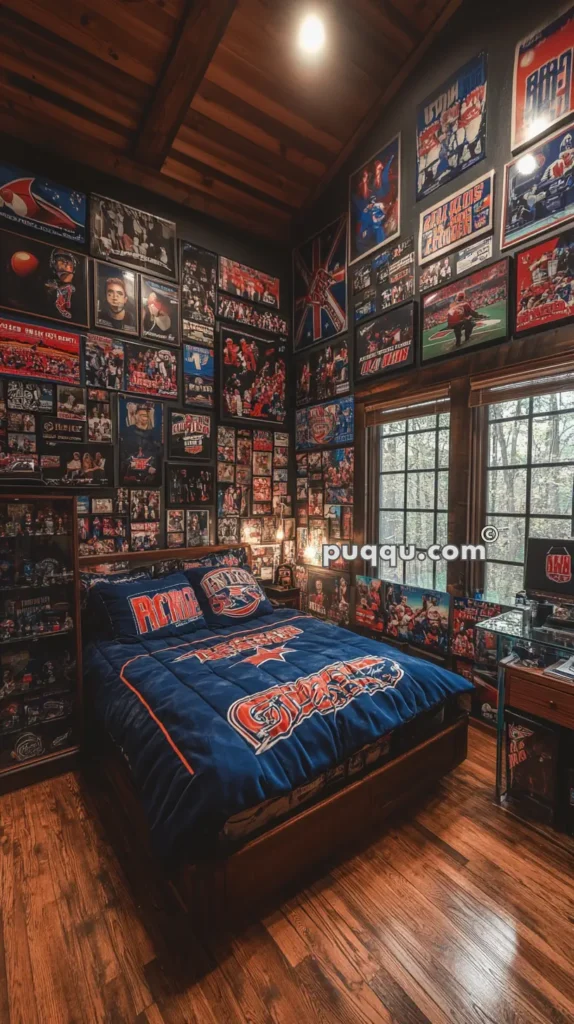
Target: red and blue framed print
[(460, 218), (375, 201), (543, 86), (320, 286)]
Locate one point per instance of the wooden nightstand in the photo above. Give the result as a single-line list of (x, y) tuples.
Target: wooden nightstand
[(286, 597)]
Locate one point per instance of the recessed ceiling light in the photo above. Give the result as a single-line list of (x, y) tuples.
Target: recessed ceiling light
[(311, 34), (526, 164)]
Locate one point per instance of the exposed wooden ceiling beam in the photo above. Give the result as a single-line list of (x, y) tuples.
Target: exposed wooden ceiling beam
[(195, 42)]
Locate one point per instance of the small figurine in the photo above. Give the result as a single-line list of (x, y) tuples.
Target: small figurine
[(49, 522), (7, 629)]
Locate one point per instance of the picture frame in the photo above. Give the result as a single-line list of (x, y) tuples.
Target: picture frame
[(198, 287), (129, 237), (330, 423), (116, 293), (104, 359), (190, 435), (323, 373), (159, 311), (141, 442), (387, 280), (386, 343), (197, 527), (83, 465), (151, 371), (544, 283), (329, 595), (43, 353), (43, 279), (492, 283), (537, 196), (253, 373), (437, 222), (536, 105), (375, 201), (246, 283), (198, 376), (243, 312), (189, 485), (320, 286), (50, 207)]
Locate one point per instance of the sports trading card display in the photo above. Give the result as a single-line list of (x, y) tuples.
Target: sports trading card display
[(246, 283), (469, 312), (545, 282), (198, 287), (62, 430), (338, 474), (189, 435), (451, 127), (145, 506), (463, 217), (326, 424), (253, 376), (386, 343), (466, 613), (329, 595), (418, 616), (320, 286), (369, 603), (197, 528), (140, 433), (99, 416), (132, 238), (47, 353), (38, 204), (104, 362), (115, 298), (543, 86), (198, 370), (46, 280), (82, 466), (386, 280), (189, 485), (151, 371), (70, 403), (538, 189), (244, 313), (374, 201), (232, 500), (159, 311), (144, 536)]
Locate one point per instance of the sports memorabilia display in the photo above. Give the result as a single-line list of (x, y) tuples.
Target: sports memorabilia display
[(375, 201), (115, 298), (418, 616), (538, 189), (200, 334), (99, 415), (237, 279), (198, 370), (197, 527), (455, 264), (159, 311), (369, 600), (543, 84), (38, 204), (467, 612), (151, 371), (243, 312), (436, 274), (462, 217), (326, 424), (386, 280), (323, 373), (469, 312), (140, 433), (82, 465), (46, 353), (320, 286), (29, 395), (329, 595), (132, 238), (104, 362), (338, 474), (198, 287), (545, 283), (451, 127), (189, 485), (70, 403), (253, 377), (189, 435), (386, 343), (44, 280)]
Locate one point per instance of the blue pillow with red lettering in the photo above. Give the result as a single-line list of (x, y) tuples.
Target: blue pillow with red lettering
[(146, 609), (228, 594)]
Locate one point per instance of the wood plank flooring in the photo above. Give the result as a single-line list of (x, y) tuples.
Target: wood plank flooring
[(459, 913)]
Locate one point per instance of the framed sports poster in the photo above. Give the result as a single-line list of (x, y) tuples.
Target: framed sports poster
[(253, 377), (538, 189), (329, 595), (338, 475), (197, 528), (70, 403), (44, 280), (247, 283), (115, 298), (328, 424), (28, 395), (242, 312), (159, 311), (84, 465), (463, 217), (543, 84), (375, 201), (386, 343), (418, 616), (44, 353), (200, 334), (545, 283), (320, 286), (189, 485), (369, 603), (104, 362), (451, 127), (198, 287), (455, 264), (198, 370), (386, 280), (140, 432), (38, 204), (151, 371), (132, 238), (189, 435), (467, 313), (323, 373)]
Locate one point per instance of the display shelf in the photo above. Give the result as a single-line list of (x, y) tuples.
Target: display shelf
[(34, 638), (12, 587)]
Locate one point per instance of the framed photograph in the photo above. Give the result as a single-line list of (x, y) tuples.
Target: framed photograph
[(391, 280), (145, 506), (538, 189), (21, 422), (198, 376), (37, 204), (232, 500), (86, 465), (329, 595), (320, 286), (250, 531), (100, 424), (375, 201), (244, 449), (175, 521), (189, 485), (144, 536), (159, 311), (268, 529), (63, 430), (46, 353), (29, 396), (198, 269), (225, 444), (262, 463), (226, 473), (262, 440), (467, 313), (323, 373), (386, 343), (266, 559), (14, 463), (24, 444), (444, 226), (70, 403), (338, 475), (102, 506), (451, 127), (190, 435), (104, 362), (115, 298), (261, 488), (331, 423), (242, 312), (228, 530), (369, 603), (44, 280), (200, 334), (132, 238), (247, 283), (140, 433), (175, 539), (197, 528), (243, 474), (253, 377), (436, 274), (455, 264), (545, 283), (315, 501), (543, 84), (151, 371)]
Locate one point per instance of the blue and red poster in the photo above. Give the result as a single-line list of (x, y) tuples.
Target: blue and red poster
[(375, 201), (460, 218), (320, 286), (33, 202), (543, 87)]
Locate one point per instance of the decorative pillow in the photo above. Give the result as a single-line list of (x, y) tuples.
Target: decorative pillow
[(146, 608), (89, 580), (234, 556), (228, 594)]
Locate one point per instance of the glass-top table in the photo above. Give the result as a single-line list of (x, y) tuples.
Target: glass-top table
[(512, 625)]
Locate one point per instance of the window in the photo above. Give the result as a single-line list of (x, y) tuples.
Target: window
[(413, 494), (530, 479)]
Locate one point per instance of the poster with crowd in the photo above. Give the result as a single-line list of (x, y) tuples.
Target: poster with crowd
[(104, 362), (44, 280), (246, 283), (545, 283), (242, 312), (253, 377), (132, 238), (151, 371), (44, 353)]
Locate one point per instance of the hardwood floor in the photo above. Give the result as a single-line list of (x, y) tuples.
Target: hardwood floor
[(458, 913)]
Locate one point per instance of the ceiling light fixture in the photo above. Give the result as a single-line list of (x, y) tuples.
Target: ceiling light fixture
[(311, 34)]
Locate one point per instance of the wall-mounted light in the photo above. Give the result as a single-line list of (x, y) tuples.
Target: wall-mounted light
[(527, 164), (311, 34)]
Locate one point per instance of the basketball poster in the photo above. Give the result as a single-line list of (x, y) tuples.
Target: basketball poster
[(466, 313), (545, 282), (543, 87)]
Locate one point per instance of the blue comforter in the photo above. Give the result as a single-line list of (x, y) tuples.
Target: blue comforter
[(214, 722)]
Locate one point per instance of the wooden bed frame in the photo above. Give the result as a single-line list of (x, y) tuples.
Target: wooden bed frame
[(234, 887)]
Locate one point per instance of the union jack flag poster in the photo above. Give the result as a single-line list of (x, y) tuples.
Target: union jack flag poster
[(320, 286)]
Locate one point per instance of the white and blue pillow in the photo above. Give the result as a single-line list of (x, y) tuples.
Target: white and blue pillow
[(228, 594), (146, 609)]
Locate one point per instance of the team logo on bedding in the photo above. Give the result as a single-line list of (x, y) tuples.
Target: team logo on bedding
[(168, 608), (267, 717), (243, 644), (232, 592)]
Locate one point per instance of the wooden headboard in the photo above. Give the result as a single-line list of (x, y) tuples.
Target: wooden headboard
[(135, 558)]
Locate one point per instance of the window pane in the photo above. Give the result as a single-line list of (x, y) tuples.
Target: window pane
[(506, 490), (419, 574), (551, 490), (393, 428), (420, 490), (552, 403), (391, 527), (421, 451), (420, 529), (556, 528), (511, 537), (440, 576), (423, 423), (553, 438), (392, 575), (392, 490), (444, 419), (442, 528), (502, 582), (507, 410), (508, 443), (393, 453), (443, 448)]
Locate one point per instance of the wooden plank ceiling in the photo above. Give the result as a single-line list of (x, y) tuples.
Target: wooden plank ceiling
[(208, 102)]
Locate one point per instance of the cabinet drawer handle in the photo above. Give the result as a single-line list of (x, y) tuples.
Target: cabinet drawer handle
[(552, 704)]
